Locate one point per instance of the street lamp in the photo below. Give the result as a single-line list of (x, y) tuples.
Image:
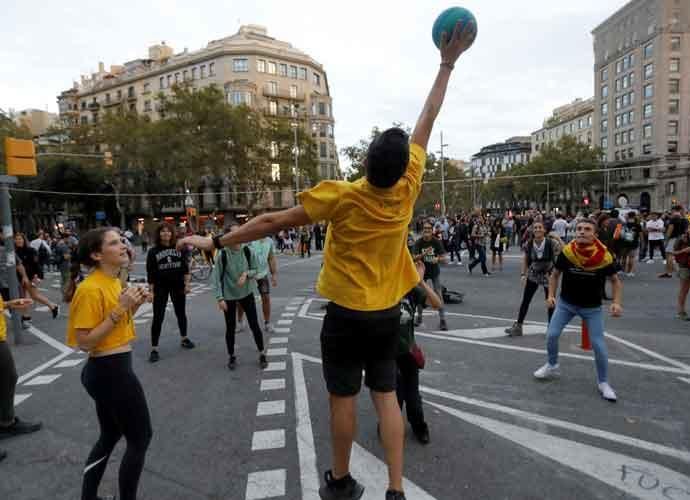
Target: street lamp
[(443, 177), (295, 127)]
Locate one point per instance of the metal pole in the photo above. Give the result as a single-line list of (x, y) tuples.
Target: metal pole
[(443, 178), (296, 165), (548, 197), (10, 256)]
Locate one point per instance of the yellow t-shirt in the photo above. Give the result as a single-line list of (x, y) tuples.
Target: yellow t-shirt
[(94, 299), (366, 264), (3, 323)]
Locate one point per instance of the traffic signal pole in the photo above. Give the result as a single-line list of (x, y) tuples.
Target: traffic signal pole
[(10, 256)]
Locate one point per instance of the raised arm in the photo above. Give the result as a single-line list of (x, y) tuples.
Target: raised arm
[(451, 50)]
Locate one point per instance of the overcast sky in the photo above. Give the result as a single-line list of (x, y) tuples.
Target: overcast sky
[(529, 57)]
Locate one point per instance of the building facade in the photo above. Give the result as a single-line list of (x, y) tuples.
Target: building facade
[(251, 67), (574, 119), (642, 102), (36, 120), (501, 157)]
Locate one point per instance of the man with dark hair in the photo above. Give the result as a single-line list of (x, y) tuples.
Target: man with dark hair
[(677, 226), (365, 248)]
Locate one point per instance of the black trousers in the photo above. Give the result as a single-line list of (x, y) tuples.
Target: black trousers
[(8, 383), (530, 289), (407, 389), (122, 411), (657, 244), (160, 301), (249, 307)]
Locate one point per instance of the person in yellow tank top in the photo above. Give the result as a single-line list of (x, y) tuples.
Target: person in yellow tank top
[(366, 271), (10, 425), (101, 323)]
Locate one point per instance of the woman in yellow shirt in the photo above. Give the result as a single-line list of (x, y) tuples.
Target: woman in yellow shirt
[(100, 323)]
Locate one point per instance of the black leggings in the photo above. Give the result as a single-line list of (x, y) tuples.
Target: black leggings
[(530, 289), (160, 301), (407, 389), (122, 411), (249, 307)]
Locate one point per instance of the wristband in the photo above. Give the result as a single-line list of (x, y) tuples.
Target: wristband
[(114, 317), (216, 242), (448, 65)]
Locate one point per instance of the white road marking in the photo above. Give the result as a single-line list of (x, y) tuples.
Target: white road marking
[(615, 469), (64, 352), (69, 363), (563, 424), (272, 384), (268, 440), (291, 308), (141, 321), (493, 332), (278, 340), (649, 352), (305, 308), (302, 261), (43, 309), (686, 380), (265, 408), (43, 379), (50, 340), (284, 322), (281, 330), (510, 347), (276, 366), (367, 468), (42, 367), (288, 315), (266, 484), (20, 398), (276, 351)]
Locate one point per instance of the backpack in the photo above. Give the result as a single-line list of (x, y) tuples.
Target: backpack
[(224, 264), (451, 297), (43, 252)]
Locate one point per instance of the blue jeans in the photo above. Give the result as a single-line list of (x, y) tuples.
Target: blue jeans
[(480, 258), (594, 319)]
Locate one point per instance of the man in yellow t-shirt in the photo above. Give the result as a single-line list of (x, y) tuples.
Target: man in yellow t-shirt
[(9, 424), (367, 270)]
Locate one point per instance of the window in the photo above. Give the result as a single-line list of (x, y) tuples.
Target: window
[(672, 146), (293, 91), (619, 121), (323, 150), (674, 106), (604, 90), (147, 105), (130, 91), (626, 81), (632, 97), (314, 129), (238, 98), (260, 66), (618, 103), (618, 155), (674, 85), (177, 77), (673, 128), (649, 91), (185, 75), (589, 121), (619, 67), (631, 117), (646, 150), (632, 78), (132, 107), (169, 81), (212, 68), (675, 43), (240, 65), (648, 110), (330, 131), (271, 68), (604, 126), (674, 67), (293, 72), (202, 71), (604, 109), (631, 136), (671, 188), (618, 85), (323, 131), (282, 69), (649, 71), (84, 120), (272, 88), (273, 108), (322, 108), (161, 82), (316, 79), (648, 50), (580, 124), (604, 74), (194, 73), (604, 143), (647, 131), (303, 73)]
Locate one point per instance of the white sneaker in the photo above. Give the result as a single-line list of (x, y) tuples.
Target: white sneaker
[(268, 328), (548, 372), (650, 261), (240, 327), (607, 392), (664, 261)]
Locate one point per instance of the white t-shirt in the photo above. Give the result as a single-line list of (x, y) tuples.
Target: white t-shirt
[(560, 227), (655, 228)]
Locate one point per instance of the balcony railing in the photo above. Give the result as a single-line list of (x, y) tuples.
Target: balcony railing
[(281, 94)]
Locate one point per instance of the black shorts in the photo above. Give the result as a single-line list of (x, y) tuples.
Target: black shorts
[(264, 286), (5, 292), (352, 341)]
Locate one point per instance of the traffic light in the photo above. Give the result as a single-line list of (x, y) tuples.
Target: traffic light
[(20, 156), (108, 159)]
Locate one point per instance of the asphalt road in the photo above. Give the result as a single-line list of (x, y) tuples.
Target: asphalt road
[(496, 433)]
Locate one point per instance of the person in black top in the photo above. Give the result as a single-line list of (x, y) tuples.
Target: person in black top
[(29, 275), (429, 250), (167, 270), (676, 227)]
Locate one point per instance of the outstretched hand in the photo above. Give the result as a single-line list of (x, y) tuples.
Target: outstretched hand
[(459, 41), (199, 242)]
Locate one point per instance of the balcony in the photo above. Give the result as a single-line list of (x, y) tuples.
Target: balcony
[(282, 113), (111, 103), (94, 106), (281, 94), (131, 97)]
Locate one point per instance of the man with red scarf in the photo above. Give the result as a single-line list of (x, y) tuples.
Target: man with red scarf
[(585, 263)]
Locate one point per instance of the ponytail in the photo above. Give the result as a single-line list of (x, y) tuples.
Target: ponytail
[(91, 242)]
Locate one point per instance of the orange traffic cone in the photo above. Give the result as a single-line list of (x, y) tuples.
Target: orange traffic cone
[(586, 344)]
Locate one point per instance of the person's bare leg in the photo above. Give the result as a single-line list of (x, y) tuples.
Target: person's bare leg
[(37, 296), (266, 307), (683, 294), (392, 435), (343, 430)]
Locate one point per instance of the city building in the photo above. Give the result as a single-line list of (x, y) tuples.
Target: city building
[(501, 157), (574, 119), (36, 120), (642, 101), (250, 66)]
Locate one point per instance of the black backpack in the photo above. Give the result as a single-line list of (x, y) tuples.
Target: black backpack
[(224, 264)]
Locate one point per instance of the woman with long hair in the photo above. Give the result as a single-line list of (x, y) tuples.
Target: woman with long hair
[(497, 244), (167, 270), (30, 275), (101, 323)]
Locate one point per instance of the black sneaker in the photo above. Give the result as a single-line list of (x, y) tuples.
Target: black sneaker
[(418, 320), (395, 495), (263, 362), (422, 434), (19, 427), (154, 356), (232, 364), (345, 488), (55, 310), (443, 326), (3, 455), (187, 344)]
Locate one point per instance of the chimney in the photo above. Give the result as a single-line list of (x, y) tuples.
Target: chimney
[(101, 67)]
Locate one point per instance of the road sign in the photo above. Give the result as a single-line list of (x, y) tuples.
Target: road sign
[(20, 156), (100, 215), (608, 204)]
